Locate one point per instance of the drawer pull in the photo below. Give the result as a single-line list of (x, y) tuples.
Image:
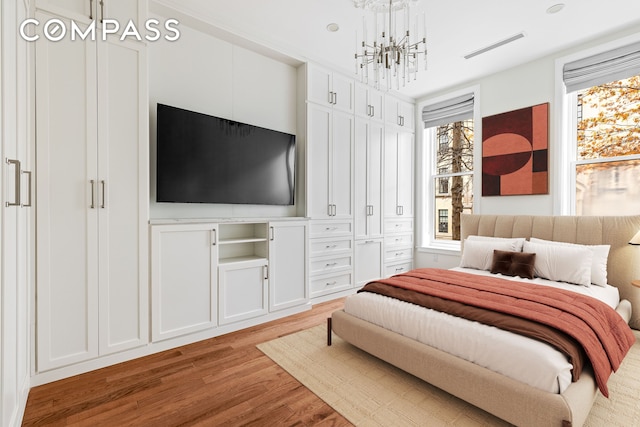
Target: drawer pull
[(331, 283), (399, 253), (332, 264), (399, 269), (331, 246)]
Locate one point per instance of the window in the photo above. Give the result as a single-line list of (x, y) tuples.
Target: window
[(602, 112), (443, 220), (443, 187), (448, 155), (607, 166)]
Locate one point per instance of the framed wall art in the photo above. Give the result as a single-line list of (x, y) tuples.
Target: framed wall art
[(515, 152)]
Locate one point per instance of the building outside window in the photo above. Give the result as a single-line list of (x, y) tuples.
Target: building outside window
[(443, 220)]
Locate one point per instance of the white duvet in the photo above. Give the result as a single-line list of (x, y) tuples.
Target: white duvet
[(524, 359)]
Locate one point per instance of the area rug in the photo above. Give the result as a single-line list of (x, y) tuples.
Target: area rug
[(370, 392)]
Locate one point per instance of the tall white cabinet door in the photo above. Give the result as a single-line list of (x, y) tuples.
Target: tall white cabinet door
[(318, 178), (340, 168), (398, 174), (405, 173), (15, 211), (122, 195), (183, 279), (287, 264), (368, 179), (67, 214)]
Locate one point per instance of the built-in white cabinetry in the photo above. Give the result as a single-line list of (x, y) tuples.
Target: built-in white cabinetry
[(288, 285), (399, 113), (92, 197), (119, 12), (329, 147), (369, 102), (368, 215), (368, 167), (184, 276), (330, 257), (398, 173), (398, 245), (217, 275), (243, 271), (324, 87), (16, 210)]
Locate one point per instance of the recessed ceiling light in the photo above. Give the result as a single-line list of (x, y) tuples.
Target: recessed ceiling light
[(555, 8), (333, 27)]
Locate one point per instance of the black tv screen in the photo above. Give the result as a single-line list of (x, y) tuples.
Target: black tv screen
[(207, 159)]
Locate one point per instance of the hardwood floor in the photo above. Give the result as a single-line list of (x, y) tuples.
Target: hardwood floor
[(223, 381)]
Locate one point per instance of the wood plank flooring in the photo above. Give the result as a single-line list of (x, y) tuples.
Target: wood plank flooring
[(223, 381)]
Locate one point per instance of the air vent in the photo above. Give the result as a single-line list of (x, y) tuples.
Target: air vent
[(493, 46)]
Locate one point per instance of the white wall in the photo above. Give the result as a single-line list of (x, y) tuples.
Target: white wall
[(523, 86), (201, 73)]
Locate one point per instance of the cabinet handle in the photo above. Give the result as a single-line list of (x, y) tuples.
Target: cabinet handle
[(272, 233), (373, 110), (399, 269), (214, 237), (16, 197), (335, 98), (266, 272), (331, 264), (93, 194), (331, 283), (334, 210), (102, 186), (101, 11), (91, 9), (28, 204)]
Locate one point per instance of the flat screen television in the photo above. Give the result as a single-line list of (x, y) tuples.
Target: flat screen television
[(207, 159)]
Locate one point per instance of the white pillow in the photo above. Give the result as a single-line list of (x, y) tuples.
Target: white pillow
[(598, 264), (562, 263), (519, 241), (478, 254)]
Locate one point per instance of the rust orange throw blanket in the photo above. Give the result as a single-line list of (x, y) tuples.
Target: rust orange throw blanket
[(603, 334)]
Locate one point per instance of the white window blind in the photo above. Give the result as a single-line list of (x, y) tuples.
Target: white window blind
[(616, 64), (452, 110)]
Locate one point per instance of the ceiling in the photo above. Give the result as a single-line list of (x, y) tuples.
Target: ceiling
[(295, 31)]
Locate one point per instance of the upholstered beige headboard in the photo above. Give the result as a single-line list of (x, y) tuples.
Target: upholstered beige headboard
[(624, 259)]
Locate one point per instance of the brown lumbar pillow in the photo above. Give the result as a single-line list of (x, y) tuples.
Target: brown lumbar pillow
[(513, 263)]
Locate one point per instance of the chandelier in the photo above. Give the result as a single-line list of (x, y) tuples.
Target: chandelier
[(393, 54)]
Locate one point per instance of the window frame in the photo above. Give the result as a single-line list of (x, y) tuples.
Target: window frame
[(426, 193), (563, 182)]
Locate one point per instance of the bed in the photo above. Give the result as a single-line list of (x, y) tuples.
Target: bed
[(510, 399)]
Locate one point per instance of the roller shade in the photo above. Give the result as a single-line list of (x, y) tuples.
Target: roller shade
[(449, 111), (616, 64)]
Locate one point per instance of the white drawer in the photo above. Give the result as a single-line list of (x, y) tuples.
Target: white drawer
[(330, 228), (398, 226), (329, 264), (399, 240), (398, 254), (319, 247), (392, 269), (331, 284)]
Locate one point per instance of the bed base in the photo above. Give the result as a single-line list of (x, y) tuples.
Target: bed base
[(511, 400)]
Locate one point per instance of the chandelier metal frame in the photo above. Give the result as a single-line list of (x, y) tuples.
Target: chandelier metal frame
[(394, 54)]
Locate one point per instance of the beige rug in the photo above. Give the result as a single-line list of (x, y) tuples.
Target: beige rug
[(370, 392)]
